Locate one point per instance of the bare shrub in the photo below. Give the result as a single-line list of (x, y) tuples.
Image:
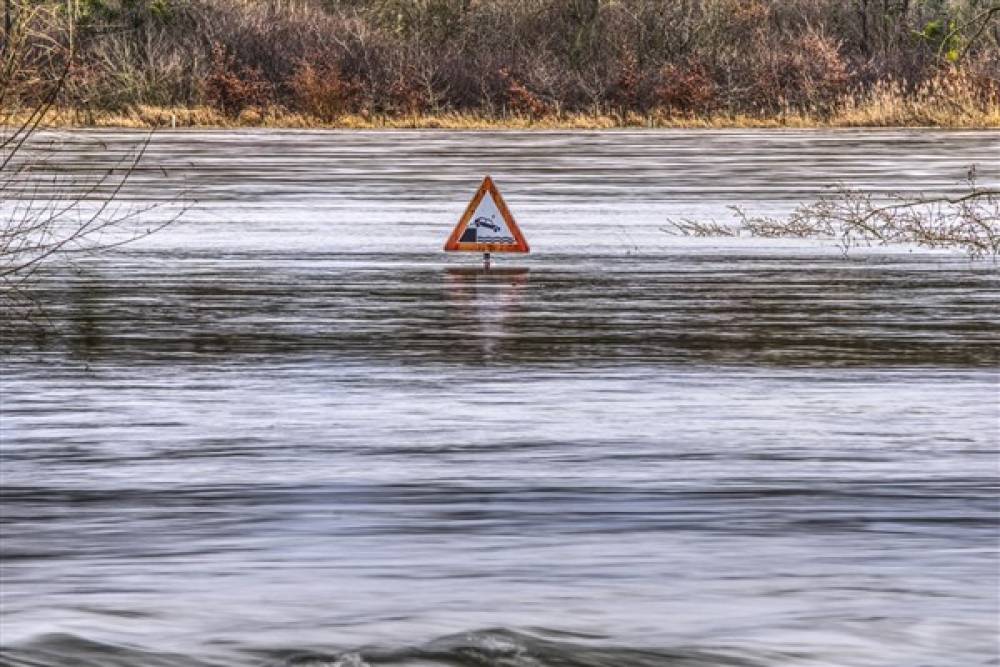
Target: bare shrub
[(520, 99), (409, 95), (232, 87), (626, 93), (37, 61), (813, 75), (686, 88), (321, 90)]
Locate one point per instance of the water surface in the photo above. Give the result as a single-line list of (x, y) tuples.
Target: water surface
[(288, 430)]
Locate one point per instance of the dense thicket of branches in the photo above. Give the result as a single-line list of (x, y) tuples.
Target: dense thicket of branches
[(530, 57)]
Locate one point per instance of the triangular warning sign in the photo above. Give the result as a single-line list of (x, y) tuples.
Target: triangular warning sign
[(487, 225)]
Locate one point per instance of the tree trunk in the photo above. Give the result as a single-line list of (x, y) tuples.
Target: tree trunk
[(8, 25)]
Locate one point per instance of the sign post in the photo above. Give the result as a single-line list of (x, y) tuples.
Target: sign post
[(487, 226)]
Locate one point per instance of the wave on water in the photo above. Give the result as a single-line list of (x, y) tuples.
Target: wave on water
[(483, 648)]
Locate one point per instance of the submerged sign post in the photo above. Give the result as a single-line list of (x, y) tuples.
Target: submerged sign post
[(486, 226)]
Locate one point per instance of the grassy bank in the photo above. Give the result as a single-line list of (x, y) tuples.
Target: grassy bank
[(165, 117), (936, 105)]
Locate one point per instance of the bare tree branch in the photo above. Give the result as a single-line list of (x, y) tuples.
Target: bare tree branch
[(52, 213), (969, 222)]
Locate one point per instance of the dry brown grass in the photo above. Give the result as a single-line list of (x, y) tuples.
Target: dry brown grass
[(950, 99), (886, 107)]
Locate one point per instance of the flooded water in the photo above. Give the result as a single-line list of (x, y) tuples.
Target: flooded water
[(289, 430)]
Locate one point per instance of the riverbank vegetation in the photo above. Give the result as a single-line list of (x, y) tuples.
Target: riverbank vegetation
[(508, 63)]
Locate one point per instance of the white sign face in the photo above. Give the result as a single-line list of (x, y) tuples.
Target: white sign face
[(487, 224)]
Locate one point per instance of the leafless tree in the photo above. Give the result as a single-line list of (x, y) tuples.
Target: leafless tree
[(51, 212)]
